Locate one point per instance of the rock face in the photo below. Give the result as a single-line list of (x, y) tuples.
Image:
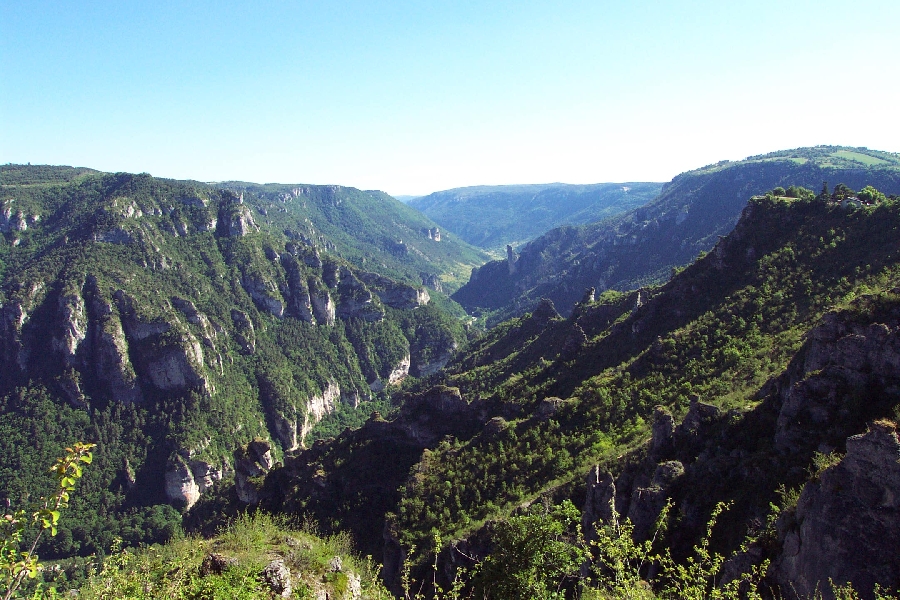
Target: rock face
[(186, 479), (245, 335), (323, 308), (847, 526), (661, 443), (432, 281), (599, 501), (251, 462), (73, 316), (277, 576), (111, 360), (265, 295), (839, 354), (396, 375), (12, 220), (394, 294), (235, 218), (216, 564), (181, 487), (319, 406), (511, 259), (356, 300), (424, 369)]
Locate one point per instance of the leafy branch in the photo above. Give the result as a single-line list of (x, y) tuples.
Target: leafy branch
[(15, 564)]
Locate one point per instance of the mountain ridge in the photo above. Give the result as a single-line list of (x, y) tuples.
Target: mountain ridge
[(644, 245)]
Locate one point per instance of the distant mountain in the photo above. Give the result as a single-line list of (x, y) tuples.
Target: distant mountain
[(407, 199), (493, 216), (172, 322), (642, 246)]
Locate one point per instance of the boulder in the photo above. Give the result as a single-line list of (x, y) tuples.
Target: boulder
[(277, 576), (216, 564)]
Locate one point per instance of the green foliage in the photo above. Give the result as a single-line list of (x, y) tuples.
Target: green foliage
[(16, 564), (695, 579), (618, 562), (870, 195), (542, 554), (535, 555)]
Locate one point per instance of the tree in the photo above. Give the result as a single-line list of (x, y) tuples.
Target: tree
[(842, 192), (796, 191), (870, 195), (536, 555)]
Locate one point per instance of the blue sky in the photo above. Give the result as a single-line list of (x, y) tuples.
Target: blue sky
[(413, 97)]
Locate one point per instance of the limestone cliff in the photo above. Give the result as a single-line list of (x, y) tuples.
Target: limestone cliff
[(847, 523)]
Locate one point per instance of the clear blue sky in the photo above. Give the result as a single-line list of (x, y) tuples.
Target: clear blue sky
[(413, 97)]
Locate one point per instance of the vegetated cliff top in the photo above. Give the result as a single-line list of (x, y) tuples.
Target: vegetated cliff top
[(643, 245), (493, 216), (526, 411), (254, 557)]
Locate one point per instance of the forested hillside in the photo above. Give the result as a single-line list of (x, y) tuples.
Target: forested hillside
[(642, 246), (751, 368), (173, 322), (493, 216)]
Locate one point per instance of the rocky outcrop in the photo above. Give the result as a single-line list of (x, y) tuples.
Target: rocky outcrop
[(277, 578), (663, 433), (323, 308), (397, 374), (424, 369), (178, 366), (265, 295), (186, 480), (648, 501), (112, 363), (171, 362), (216, 564), (251, 464), (511, 260), (432, 281), (181, 487), (840, 354), (599, 502), (72, 314), (356, 300), (210, 330), (245, 334), (847, 523), (689, 435), (426, 418), (235, 218), (394, 294), (292, 429), (12, 319), (13, 220)]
